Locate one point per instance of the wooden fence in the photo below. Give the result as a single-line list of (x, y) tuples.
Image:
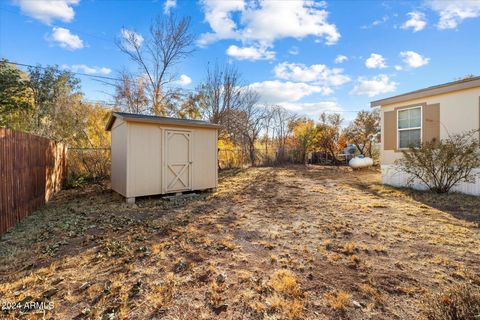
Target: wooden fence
[(32, 169)]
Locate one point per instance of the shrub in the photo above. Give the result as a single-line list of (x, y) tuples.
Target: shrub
[(93, 164), (441, 164), (75, 181), (461, 302)]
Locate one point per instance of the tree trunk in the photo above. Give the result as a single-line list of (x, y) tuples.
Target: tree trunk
[(252, 154)]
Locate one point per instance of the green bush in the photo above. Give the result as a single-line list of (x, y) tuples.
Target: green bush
[(75, 181)]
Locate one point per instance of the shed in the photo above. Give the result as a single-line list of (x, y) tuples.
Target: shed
[(154, 155)]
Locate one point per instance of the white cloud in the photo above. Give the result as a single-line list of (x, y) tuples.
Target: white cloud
[(319, 74), (376, 23), (169, 4), (416, 22), (312, 109), (82, 68), (218, 14), (413, 59), (294, 51), (340, 58), (48, 10), (452, 13), (129, 34), (278, 91), (184, 80), (65, 39), (375, 61), (250, 53), (374, 86), (398, 67), (261, 23)]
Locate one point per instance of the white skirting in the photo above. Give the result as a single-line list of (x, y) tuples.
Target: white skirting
[(392, 176)]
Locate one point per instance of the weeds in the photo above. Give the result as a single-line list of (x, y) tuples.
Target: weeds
[(287, 297), (461, 302), (338, 300), (257, 249)]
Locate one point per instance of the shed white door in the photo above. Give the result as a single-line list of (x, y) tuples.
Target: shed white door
[(178, 161)]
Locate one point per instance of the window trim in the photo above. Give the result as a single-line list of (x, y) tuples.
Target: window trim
[(413, 128)]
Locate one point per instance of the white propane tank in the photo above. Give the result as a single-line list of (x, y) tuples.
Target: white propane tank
[(360, 162)]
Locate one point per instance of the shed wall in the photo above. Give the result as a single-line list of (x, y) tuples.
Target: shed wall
[(144, 159), (205, 159), (138, 158), (119, 157)]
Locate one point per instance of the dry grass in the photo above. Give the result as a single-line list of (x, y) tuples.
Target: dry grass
[(287, 296), (271, 243), (458, 302), (338, 300)]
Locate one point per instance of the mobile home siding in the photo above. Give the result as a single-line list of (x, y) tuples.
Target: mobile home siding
[(458, 112), (444, 114)]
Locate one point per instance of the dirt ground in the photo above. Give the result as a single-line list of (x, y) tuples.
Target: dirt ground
[(271, 243)]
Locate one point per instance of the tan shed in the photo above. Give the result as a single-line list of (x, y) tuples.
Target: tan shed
[(158, 155)]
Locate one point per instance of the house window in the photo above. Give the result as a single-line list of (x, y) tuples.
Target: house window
[(409, 127)]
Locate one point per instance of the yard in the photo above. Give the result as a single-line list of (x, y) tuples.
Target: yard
[(271, 243)]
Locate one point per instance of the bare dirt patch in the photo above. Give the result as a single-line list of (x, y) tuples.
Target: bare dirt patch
[(271, 243)]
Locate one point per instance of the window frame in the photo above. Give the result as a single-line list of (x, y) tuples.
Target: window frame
[(413, 128)]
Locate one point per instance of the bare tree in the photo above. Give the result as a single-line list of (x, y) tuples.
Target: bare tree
[(283, 120), (170, 42), (269, 134), (130, 93), (220, 94), (250, 121)]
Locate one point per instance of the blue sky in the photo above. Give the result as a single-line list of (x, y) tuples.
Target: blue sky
[(309, 56)]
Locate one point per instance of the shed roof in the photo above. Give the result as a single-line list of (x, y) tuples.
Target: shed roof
[(133, 117), (430, 91)]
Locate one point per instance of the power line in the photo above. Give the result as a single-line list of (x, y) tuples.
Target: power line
[(103, 102), (188, 90), (77, 73)]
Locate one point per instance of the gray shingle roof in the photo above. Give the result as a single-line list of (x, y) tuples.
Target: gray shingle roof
[(157, 119)]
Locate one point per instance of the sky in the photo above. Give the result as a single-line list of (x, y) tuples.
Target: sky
[(308, 56)]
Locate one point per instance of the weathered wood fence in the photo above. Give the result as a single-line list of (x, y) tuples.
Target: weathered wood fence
[(32, 169)]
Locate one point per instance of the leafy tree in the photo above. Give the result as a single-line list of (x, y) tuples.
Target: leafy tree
[(89, 155), (16, 98), (441, 164), (329, 137), (188, 106), (362, 132), (94, 134), (305, 134), (57, 111)]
